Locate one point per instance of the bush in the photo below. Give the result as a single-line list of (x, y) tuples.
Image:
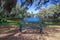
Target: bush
[(3, 20)]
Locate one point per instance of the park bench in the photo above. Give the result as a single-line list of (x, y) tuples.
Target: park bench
[(32, 20)]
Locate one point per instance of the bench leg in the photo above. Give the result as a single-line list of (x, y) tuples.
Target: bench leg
[(20, 29)]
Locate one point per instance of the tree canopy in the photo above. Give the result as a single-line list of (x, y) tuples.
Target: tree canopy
[(9, 4)]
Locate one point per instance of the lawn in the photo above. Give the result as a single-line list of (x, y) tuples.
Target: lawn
[(8, 23), (51, 23), (17, 23)]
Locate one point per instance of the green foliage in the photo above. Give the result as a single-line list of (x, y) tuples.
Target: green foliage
[(46, 12), (16, 13), (2, 16)]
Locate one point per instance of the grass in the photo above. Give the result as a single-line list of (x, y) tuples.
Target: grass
[(9, 23), (51, 23)]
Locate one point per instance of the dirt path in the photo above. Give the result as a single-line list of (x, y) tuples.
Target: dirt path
[(50, 33)]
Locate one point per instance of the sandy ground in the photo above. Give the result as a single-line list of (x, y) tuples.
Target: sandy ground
[(49, 33)]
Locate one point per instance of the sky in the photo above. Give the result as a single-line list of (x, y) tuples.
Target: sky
[(32, 8)]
